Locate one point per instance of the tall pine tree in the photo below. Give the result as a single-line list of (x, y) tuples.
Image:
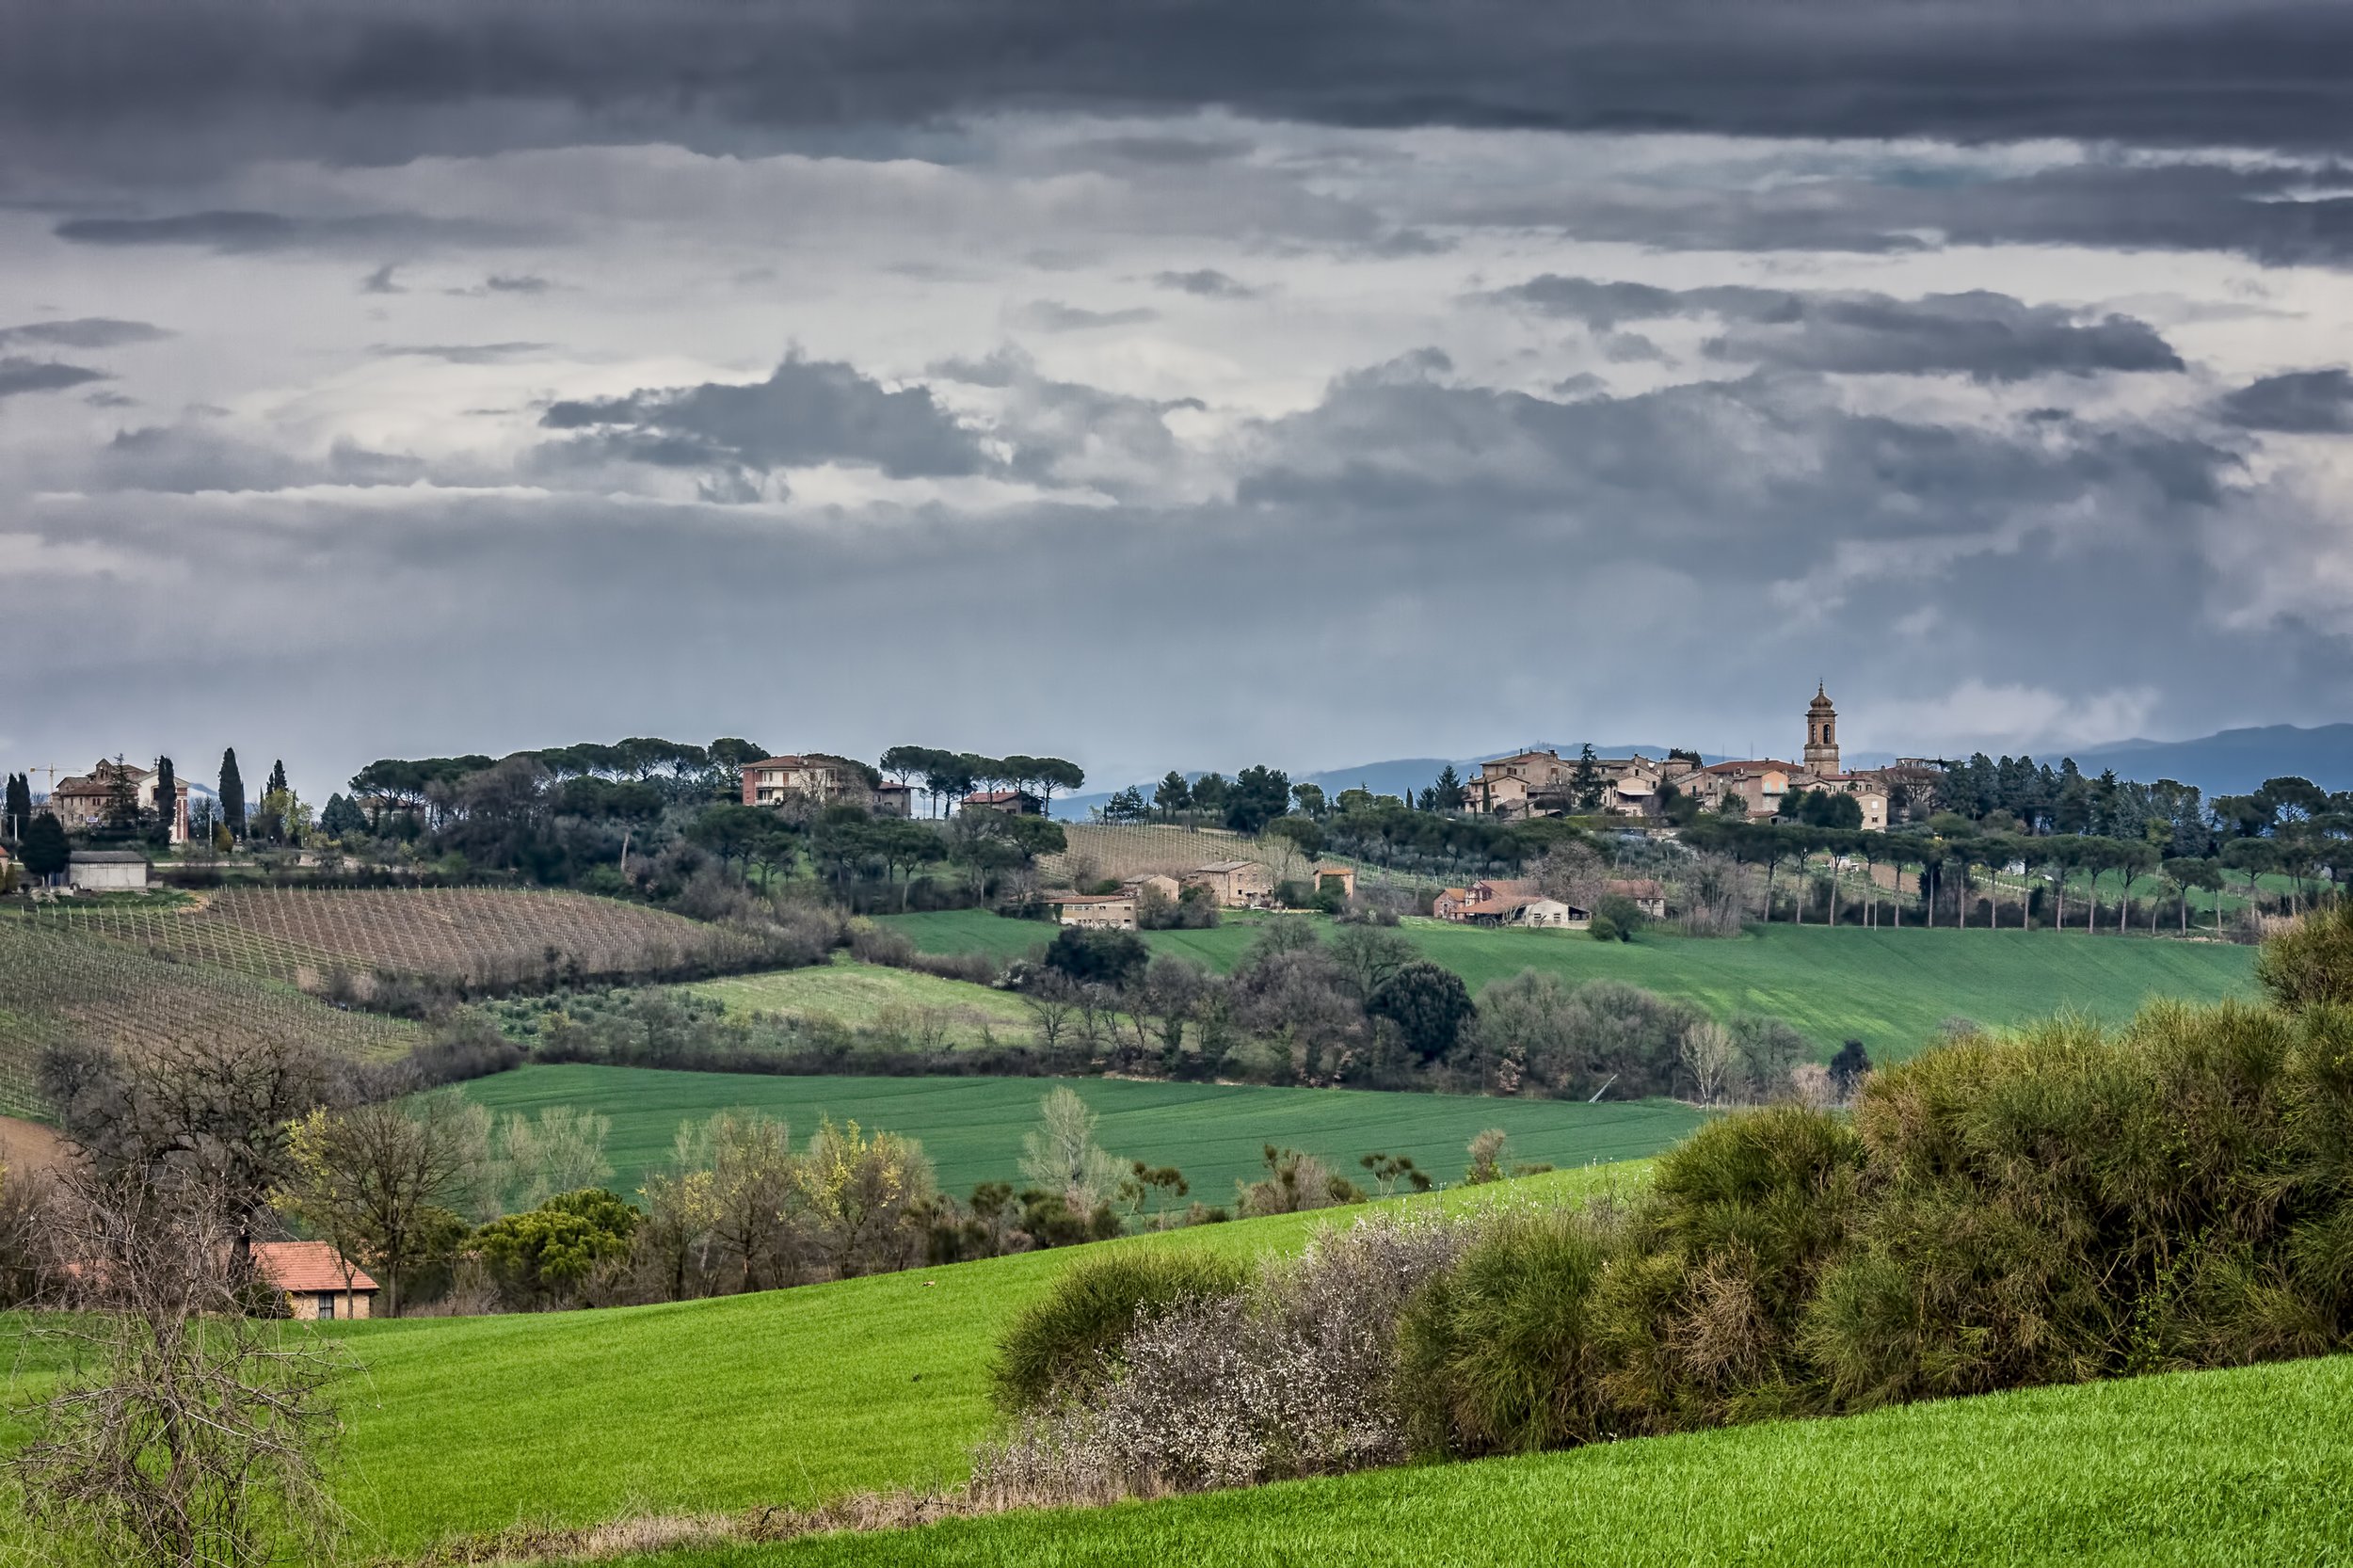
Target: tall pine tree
[(231, 794), (19, 805), (277, 779)]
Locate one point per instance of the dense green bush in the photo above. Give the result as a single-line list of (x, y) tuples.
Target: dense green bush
[(1702, 1313), (540, 1254), (2311, 963), (2071, 1204), (1498, 1354), (1071, 1337)]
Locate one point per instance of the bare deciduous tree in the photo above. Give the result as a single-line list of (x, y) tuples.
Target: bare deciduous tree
[(384, 1182), (1062, 1156), (212, 1109), (1049, 997), (752, 1205), (562, 1151), (195, 1434), (1572, 874), (1709, 1056)]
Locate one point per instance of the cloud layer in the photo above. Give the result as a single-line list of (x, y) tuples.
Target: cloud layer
[(1180, 385)]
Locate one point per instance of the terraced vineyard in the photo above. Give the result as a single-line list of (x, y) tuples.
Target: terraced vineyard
[(482, 938), (59, 985)]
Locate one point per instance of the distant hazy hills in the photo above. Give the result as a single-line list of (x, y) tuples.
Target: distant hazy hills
[(2231, 762)]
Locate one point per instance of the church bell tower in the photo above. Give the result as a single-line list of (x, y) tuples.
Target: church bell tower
[(1821, 735)]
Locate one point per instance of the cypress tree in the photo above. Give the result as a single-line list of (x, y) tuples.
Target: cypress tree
[(167, 797), (231, 794), (277, 779), (20, 805)]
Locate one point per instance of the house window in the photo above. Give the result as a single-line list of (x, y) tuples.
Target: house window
[(327, 1304)]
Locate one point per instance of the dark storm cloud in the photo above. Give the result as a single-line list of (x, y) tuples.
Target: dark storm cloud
[(1052, 315), (82, 333), (807, 413), (1714, 477), (1208, 282), (245, 233), (2305, 402), (19, 375), (353, 80), (1987, 336)]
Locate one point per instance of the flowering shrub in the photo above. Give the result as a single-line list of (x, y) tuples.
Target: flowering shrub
[(1291, 1376)]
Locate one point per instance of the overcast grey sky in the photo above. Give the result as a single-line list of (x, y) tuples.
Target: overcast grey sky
[(1169, 385)]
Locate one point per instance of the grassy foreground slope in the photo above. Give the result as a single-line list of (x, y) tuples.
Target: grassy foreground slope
[(1888, 988), (2252, 1467), (972, 1127), (461, 1424)]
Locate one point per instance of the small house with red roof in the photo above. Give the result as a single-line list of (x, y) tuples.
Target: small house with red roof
[(319, 1281)]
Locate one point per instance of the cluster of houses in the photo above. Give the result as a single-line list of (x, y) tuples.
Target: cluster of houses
[(1505, 900), (1544, 783), (821, 780), (1232, 883), (81, 802)]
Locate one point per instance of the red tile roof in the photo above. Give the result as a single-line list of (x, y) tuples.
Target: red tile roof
[(307, 1266)]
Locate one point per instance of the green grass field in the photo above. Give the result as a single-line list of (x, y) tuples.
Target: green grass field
[(972, 1127), (464, 1425), (2236, 1470), (1888, 988), (864, 995)]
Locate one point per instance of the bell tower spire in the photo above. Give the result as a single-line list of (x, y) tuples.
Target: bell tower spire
[(1821, 734)]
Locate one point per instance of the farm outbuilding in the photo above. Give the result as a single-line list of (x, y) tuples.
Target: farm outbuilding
[(1096, 911), (1237, 884), (318, 1281), (107, 871)]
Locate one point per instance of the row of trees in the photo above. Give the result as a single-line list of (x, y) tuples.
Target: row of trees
[(951, 776), (2051, 865)]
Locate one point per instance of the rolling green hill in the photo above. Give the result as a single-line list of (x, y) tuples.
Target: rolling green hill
[(865, 995), (471, 1424), (2245, 1467), (972, 1127), (1888, 988)]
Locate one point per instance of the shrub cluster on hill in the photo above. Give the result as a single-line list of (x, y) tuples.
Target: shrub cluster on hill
[(2066, 1204)]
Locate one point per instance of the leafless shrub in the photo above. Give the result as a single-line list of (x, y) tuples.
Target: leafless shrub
[(1292, 1377), (1810, 1085), (1294, 1183), (189, 1432)]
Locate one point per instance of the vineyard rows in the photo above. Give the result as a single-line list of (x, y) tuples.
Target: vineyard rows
[(478, 937), (1098, 850), (58, 988)]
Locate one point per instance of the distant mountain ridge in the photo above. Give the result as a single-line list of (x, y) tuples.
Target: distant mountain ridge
[(2231, 761)]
